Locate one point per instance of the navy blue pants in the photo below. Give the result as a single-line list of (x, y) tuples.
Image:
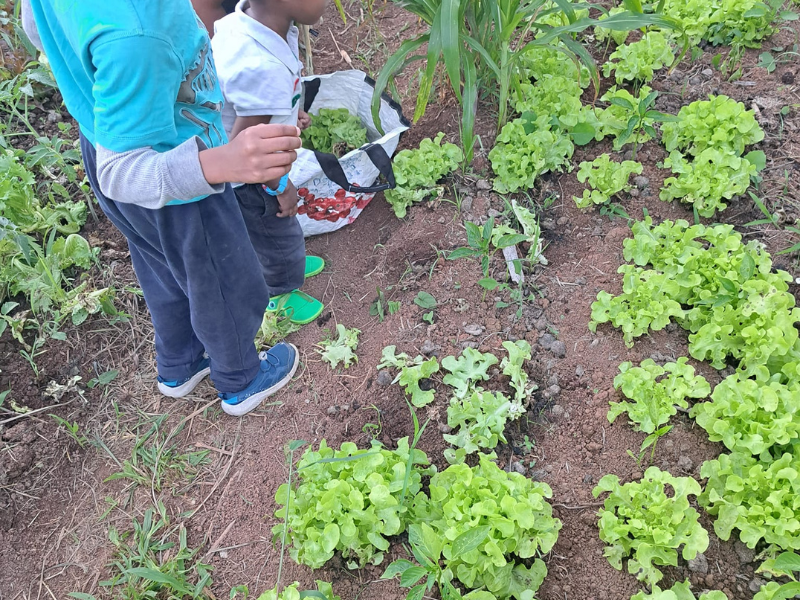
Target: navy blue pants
[(201, 279), (278, 241)]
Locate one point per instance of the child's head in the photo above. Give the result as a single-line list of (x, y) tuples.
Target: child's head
[(302, 12)]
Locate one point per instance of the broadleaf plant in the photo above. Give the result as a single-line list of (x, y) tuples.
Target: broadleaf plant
[(412, 374), (679, 591)]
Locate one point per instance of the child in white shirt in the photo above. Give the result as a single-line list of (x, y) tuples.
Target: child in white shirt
[(256, 51)]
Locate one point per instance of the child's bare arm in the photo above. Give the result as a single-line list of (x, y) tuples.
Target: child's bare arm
[(243, 123)]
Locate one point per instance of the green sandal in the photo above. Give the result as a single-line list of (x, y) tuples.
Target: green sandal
[(298, 306), (314, 266)]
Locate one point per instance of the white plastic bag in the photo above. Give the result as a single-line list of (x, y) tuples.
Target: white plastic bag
[(332, 191)]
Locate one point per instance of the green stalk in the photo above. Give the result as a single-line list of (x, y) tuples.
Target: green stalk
[(505, 83)]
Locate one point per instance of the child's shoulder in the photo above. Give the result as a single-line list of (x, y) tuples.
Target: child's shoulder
[(241, 39)]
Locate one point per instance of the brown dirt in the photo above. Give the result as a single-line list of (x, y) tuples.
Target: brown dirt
[(56, 508)]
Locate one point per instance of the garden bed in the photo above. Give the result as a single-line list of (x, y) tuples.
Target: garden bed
[(56, 506)]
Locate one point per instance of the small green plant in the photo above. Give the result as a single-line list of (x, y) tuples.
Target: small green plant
[(529, 223), (630, 118), (71, 428), (656, 392), (334, 131), (342, 350), (426, 547), (275, 326), (466, 371), (606, 178), (679, 591), (644, 523), (413, 373), (380, 307), (719, 122), (417, 172), (349, 500), (480, 244), (640, 60), (707, 181), (650, 442), (324, 591), (646, 303), (512, 366), (427, 302), (103, 380)]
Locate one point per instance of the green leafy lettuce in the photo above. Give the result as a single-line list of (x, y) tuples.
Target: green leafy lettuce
[(350, 501), (606, 178), (640, 60), (523, 151), (751, 415), (467, 370), (647, 524), (334, 131), (719, 122), (492, 523), (647, 302), (656, 391), (417, 172), (412, 372), (679, 591), (760, 498), (293, 592), (342, 349), (711, 177)]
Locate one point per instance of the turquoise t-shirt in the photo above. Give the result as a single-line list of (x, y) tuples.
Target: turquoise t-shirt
[(133, 73)]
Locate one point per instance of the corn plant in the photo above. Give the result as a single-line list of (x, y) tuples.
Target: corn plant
[(480, 42)]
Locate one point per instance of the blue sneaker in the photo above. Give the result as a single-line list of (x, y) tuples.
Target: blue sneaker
[(278, 366), (184, 387)]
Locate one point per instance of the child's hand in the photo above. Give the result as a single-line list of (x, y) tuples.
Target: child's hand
[(303, 119), (258, 154), (288, 201)]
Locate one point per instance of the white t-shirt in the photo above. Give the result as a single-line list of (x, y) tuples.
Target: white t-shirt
[(258, 70)]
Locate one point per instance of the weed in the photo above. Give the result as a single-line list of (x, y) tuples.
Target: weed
[(153, 462), (71, 428), (147, 565), (651, 441)]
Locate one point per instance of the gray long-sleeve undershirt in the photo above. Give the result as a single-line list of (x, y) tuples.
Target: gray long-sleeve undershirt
[(143, 176)]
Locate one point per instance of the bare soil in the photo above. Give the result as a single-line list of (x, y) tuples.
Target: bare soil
[(56, 507)]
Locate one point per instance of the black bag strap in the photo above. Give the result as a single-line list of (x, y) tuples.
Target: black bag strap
[(333, 170)]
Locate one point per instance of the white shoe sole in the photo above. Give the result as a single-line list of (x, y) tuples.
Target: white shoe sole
[(251, 403), (187, 388)]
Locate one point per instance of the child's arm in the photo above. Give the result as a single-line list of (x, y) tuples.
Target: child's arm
[(134, 110), (29, 25)]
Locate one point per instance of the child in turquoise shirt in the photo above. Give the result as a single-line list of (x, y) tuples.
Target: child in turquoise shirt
[(140, 80)]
